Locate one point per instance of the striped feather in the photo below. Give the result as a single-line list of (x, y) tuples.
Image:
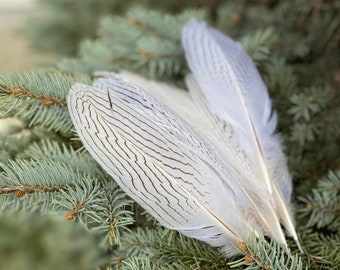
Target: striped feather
[(235, 171), (207, 163), (155, 166)]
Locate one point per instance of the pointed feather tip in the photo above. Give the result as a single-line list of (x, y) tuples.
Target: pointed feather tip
[(297, 241), (298, 244)]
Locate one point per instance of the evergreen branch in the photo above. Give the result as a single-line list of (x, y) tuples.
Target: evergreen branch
[(164, 247), (20, 191), (47, 101), (89, 197), (309, 102), (144, 27), (260, 44), (147, 42), (117, 212), (34, 183), (80, 161), (322, 207), (73, 178), (103, 207), (83, 201), (37, 201), (33, 172), (330, 183), (268, 256), (170, 26), (322, 250), (135, 263), (38, 97)]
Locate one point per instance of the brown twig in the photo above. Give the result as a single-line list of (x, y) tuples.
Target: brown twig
[(20, 191), (47, 101)]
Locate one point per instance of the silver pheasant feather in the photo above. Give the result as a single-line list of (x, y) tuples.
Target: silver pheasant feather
[(207, 163)]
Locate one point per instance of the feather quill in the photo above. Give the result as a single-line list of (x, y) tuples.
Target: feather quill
[(207, 163)]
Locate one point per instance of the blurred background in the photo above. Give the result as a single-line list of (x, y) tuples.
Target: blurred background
[(15, 52)]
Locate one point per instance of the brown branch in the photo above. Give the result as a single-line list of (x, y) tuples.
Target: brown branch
[(47, 101), (150, 55), (72, 215), (143, 54), (144, 27), (250, 257), (20, 191), (112, 227)]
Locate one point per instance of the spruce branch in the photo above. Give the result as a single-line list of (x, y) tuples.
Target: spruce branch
[(267, 255), (322, 206), (79, 160), (38, 97), (164, 247), (103, 208), (144, 41), (76, 188), (322, 250), (135, 263), (260, 44), (33, 184)]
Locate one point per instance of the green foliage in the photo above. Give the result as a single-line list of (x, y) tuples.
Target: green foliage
[(323, 250), (35, 242), (144, 41), (52, 178), (322, 205), (66, 22), (45, 170), (38, 97), (259, 44), (265, 255), (163, 247)]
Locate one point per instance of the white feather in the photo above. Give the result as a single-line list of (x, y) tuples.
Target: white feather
[(159, 161), (236, 94), (208, 163), (235, 171), (234, 157)]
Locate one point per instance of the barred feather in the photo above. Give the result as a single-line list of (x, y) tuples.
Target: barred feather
[(150, 152), (209, 163)]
